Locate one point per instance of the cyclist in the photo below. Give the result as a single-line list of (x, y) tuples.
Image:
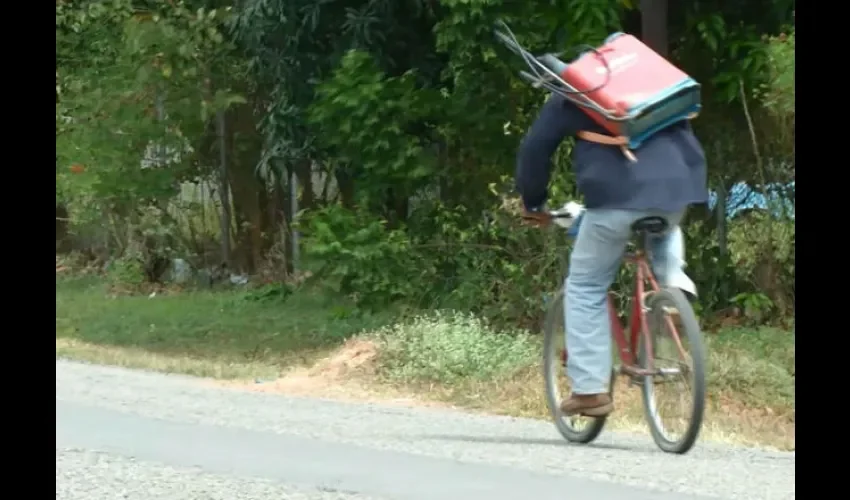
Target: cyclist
[(666, 174)]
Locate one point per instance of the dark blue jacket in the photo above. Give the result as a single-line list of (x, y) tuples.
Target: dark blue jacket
[(670, 172)]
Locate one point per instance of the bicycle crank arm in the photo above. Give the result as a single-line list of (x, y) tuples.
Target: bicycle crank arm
[(634, 371), (666, 372)]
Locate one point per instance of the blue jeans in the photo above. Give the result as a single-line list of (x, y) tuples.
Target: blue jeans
[(594, 262)]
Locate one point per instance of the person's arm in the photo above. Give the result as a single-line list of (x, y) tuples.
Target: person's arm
[(557, 120)]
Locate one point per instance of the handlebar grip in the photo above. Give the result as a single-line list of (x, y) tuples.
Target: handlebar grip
[(553, 63)]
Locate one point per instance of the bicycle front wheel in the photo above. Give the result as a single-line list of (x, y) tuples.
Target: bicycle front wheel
[(576, 429), (674, 395)]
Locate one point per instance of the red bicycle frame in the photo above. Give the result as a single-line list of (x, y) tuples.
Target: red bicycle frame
[(627, 345)]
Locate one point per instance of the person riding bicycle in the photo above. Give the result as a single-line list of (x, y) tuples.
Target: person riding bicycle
[(667, 175)]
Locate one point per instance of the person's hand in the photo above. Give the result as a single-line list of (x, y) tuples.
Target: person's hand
[(537, 218)]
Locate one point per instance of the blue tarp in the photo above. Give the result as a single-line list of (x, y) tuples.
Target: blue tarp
[(742, 196)]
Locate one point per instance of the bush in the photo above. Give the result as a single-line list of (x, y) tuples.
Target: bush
[(491, 265), (763, 249), (448, 347), (354, 254)]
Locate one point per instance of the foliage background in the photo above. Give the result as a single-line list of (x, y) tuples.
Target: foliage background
[(365, 147)]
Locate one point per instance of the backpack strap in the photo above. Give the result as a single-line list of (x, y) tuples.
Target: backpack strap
[(619, 140), (608, 140)]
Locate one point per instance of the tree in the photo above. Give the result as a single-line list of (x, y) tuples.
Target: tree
[(653, 25)]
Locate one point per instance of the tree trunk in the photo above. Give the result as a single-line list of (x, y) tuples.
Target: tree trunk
[(248, 192), (721, 210), (653, 25), (345, 185), (63, 242), (282, 221), (223, 189), (304, 172)]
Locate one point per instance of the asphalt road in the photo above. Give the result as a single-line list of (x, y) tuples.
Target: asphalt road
[(123, 434)]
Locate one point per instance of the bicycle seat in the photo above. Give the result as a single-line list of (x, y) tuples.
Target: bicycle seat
[(650, 225)]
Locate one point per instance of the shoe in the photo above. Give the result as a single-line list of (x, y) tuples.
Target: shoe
[(588, 405)]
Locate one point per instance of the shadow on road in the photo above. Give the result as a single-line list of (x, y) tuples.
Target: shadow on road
[(526, 441)]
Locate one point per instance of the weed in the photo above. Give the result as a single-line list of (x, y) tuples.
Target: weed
[(446, 347)]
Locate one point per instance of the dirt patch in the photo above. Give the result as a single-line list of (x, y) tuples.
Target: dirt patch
[(355, 357), (348, 374)]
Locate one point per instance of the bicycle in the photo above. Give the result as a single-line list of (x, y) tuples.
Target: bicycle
[(638, 355)]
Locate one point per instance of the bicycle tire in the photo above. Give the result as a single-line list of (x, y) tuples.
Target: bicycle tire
[(688, 323), (552, 364)]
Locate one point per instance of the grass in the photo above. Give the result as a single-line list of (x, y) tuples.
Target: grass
[(758, 365), (202, 329), (448, 358)]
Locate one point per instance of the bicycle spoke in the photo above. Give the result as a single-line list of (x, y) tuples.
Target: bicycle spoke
[(574, 428), (671, 389)]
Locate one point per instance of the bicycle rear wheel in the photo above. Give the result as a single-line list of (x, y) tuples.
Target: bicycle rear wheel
[(576, 429), (679, 362)]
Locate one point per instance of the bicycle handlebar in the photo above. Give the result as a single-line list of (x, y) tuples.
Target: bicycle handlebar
[(568, 215)]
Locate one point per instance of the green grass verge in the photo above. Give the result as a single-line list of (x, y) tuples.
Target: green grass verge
[(448, 357), (230, 327), (755, 364)]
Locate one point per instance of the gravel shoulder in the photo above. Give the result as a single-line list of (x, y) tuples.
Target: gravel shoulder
[(189, 435), (91, 475)]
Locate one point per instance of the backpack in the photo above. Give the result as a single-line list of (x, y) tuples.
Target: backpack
[(623, 85)]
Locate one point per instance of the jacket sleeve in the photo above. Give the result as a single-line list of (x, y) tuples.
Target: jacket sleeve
[(557, 120)]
